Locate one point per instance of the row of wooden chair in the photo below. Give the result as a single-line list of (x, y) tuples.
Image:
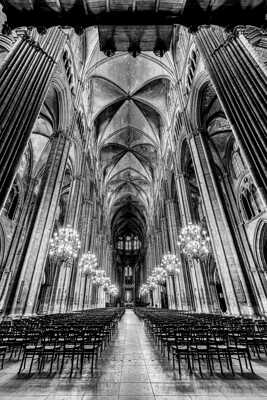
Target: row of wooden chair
[(55, 339), (203, 338)]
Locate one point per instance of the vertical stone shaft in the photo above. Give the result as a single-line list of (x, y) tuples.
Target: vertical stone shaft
[(85, 241), (241, 86), (24, 80), (224, 251), (178, 282), (33, 268), (15, 253), (73, 216), (250, 264)]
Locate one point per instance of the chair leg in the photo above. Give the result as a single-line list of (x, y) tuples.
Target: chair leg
[(199, 364), (22, 362), (3, 360), (220, 362), (190, 367), (92, 363), (51, 363), (209, 364), (250, 364), (231, 363), (240, 364), (179, 364), (30, 370), (40, 363), (62, 363), (81, 365), (246, 362), (72, 362)]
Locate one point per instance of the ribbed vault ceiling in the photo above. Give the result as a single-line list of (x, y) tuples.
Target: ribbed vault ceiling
[(129, 117)]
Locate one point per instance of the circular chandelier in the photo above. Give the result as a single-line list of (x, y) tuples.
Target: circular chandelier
[(160, 275), (65, 244), (99, 277), (144, 290), (170, 263), (106, 282), (194, 241), (113, 290), (88, 263), (152, 282)]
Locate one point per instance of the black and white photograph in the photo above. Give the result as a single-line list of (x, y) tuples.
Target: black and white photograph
[(133, 199)]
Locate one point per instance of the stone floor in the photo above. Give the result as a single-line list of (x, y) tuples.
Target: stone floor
[(132, 369)]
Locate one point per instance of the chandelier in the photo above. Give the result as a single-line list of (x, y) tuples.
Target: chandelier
[(170, 262), (194, 241), (113, 290), (88, 263), (160, 275), (65, 244), (99, 277), (106, 282), (152, 282), (144, 290)]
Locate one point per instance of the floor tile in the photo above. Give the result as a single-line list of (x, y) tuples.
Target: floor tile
[(136, 389)]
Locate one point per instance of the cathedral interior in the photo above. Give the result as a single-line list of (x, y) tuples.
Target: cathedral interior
[(133, 199)]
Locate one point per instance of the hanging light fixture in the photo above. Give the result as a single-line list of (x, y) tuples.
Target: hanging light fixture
[(170, 263), (144, 290), (106, 283), (65, 244), (152, 282), (160, 275), (113, 290), (99, 277), (88, 263), (194, 241)]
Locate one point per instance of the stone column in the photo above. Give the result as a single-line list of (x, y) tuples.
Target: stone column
[(24, 80), (16, 251), (93, 241), (248, 256), (25, 300), (73, 217), (165, 248), (231, 275), (52, 303), (178, 281), (241, 86), (81, 280), (187, 299)]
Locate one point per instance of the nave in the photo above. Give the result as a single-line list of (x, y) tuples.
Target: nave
[(132, 367)]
